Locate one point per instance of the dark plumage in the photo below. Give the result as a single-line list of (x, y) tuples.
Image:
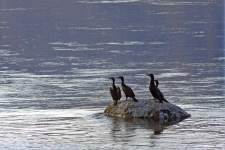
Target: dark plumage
[(156, 93), (127, 90), (115, 92), (156, 83)]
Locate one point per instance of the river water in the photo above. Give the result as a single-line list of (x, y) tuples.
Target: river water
[(56, 58)]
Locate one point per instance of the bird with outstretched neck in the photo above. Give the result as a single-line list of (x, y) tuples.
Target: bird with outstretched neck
[(156, 93), (127, 90), (115, 92)]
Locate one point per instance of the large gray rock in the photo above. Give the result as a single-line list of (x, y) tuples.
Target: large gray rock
[(151, 109)]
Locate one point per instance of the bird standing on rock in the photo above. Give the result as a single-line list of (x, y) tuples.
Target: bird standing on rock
[(127, 90), (156, 93), (115, 92)]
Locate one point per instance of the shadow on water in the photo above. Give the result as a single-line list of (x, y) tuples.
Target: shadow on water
[(156, 126)]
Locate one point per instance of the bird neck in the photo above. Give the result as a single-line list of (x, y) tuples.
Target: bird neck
[(151, 81), (122, 82), (113, 85), (113, 82)]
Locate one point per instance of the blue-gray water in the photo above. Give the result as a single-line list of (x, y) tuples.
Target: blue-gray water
[(56, 57)]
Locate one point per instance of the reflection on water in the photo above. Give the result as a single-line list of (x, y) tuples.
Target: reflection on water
[(66, 128), (156, 127), (56, 57)]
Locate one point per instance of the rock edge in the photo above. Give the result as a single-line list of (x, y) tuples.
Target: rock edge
[(151, 109)]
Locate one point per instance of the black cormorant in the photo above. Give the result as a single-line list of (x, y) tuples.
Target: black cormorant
[(156, 93), (115, 92), (127, 90), (156, 83)]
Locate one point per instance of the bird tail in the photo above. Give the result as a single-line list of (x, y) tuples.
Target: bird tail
[(115, 103), (134, 99), (160, 101), (165, 100)]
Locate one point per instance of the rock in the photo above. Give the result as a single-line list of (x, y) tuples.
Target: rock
[(150, 109)]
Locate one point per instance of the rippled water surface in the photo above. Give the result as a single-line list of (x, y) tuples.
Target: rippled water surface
[(56, 58)]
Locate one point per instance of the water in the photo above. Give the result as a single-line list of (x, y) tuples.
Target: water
[(56, 57)]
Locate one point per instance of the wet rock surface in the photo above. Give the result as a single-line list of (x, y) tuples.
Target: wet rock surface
[(150, 109)]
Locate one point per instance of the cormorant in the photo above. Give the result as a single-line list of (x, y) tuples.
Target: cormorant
[(115, 92), (156, 93), (156, 83), (127, 90)]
